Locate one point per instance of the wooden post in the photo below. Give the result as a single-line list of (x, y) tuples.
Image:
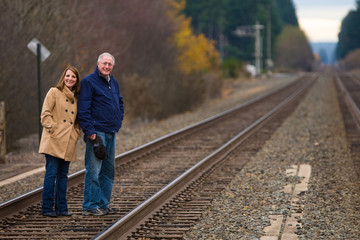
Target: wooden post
[(2, 133)]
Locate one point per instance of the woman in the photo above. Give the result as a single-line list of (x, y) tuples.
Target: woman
[(58, 140)]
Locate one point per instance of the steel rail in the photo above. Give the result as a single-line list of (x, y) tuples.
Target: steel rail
[(354, 109), (127, 224), (19, 203)]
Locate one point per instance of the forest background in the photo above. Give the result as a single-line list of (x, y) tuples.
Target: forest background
[(171, 55), (348, 46)]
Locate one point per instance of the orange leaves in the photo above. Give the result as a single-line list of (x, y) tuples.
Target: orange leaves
[(196, 52)]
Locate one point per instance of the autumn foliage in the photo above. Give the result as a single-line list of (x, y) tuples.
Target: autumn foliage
[(197, 52)]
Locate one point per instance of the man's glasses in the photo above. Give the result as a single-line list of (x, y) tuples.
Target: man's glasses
[(107, 64)]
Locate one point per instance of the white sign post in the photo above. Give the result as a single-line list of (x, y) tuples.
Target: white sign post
[(33, 45), (42, 54)]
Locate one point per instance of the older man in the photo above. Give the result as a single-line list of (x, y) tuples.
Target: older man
[(100, 113)]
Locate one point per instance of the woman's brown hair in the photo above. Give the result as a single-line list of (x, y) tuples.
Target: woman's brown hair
[(60, 85)]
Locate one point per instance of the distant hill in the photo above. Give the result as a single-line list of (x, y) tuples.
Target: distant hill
[(326, 50)]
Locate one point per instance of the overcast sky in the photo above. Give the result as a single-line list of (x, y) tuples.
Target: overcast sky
[(321, 19)]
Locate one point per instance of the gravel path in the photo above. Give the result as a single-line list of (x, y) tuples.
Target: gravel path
[(330, 207)]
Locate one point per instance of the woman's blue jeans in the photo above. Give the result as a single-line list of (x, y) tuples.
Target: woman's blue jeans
[(55, 184), (99, 175)]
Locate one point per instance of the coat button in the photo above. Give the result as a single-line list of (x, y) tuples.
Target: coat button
[(64, 120), (72, 112), (67, 100), (66, 110)]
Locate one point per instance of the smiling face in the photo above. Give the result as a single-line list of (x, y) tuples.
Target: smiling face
[(70, 79), (105, 65)]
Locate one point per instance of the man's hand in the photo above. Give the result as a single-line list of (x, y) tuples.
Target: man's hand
[(92, 137)]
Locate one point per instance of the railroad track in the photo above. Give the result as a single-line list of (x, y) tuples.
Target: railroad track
[(348, 86), (147, 178)]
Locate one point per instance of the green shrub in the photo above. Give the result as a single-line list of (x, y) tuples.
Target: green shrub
[(232, 67)]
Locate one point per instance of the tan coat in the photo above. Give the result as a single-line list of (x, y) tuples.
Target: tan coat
[(61, 130)]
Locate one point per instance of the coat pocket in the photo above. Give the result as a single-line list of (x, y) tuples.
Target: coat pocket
[(60, 131), (52, 128)]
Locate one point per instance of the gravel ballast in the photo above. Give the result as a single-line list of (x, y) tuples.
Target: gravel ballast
[(313, 135)]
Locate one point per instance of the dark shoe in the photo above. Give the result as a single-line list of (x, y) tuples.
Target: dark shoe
[(110, 210), (94, 212), (66, 214), (49, 214)]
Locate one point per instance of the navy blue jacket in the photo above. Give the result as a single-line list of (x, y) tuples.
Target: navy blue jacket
[(100, 104)]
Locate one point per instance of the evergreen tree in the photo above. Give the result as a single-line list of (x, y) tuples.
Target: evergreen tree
[(287, 12), (349, 36), (207, 17)]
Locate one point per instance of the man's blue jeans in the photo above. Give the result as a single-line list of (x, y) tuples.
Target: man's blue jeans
[(55, 184), (99, 175)]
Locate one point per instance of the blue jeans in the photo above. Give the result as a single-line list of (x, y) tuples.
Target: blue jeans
[(99, 174), (55, 185)]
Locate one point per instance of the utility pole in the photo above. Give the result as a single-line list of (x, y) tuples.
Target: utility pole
[(258, 48), (269, 62), (221, 47), (253, 31)]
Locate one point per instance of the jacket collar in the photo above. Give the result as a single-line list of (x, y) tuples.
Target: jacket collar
[(97, 71), (69, 94)]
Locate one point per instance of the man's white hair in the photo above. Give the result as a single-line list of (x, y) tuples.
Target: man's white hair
[(106, 54)]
